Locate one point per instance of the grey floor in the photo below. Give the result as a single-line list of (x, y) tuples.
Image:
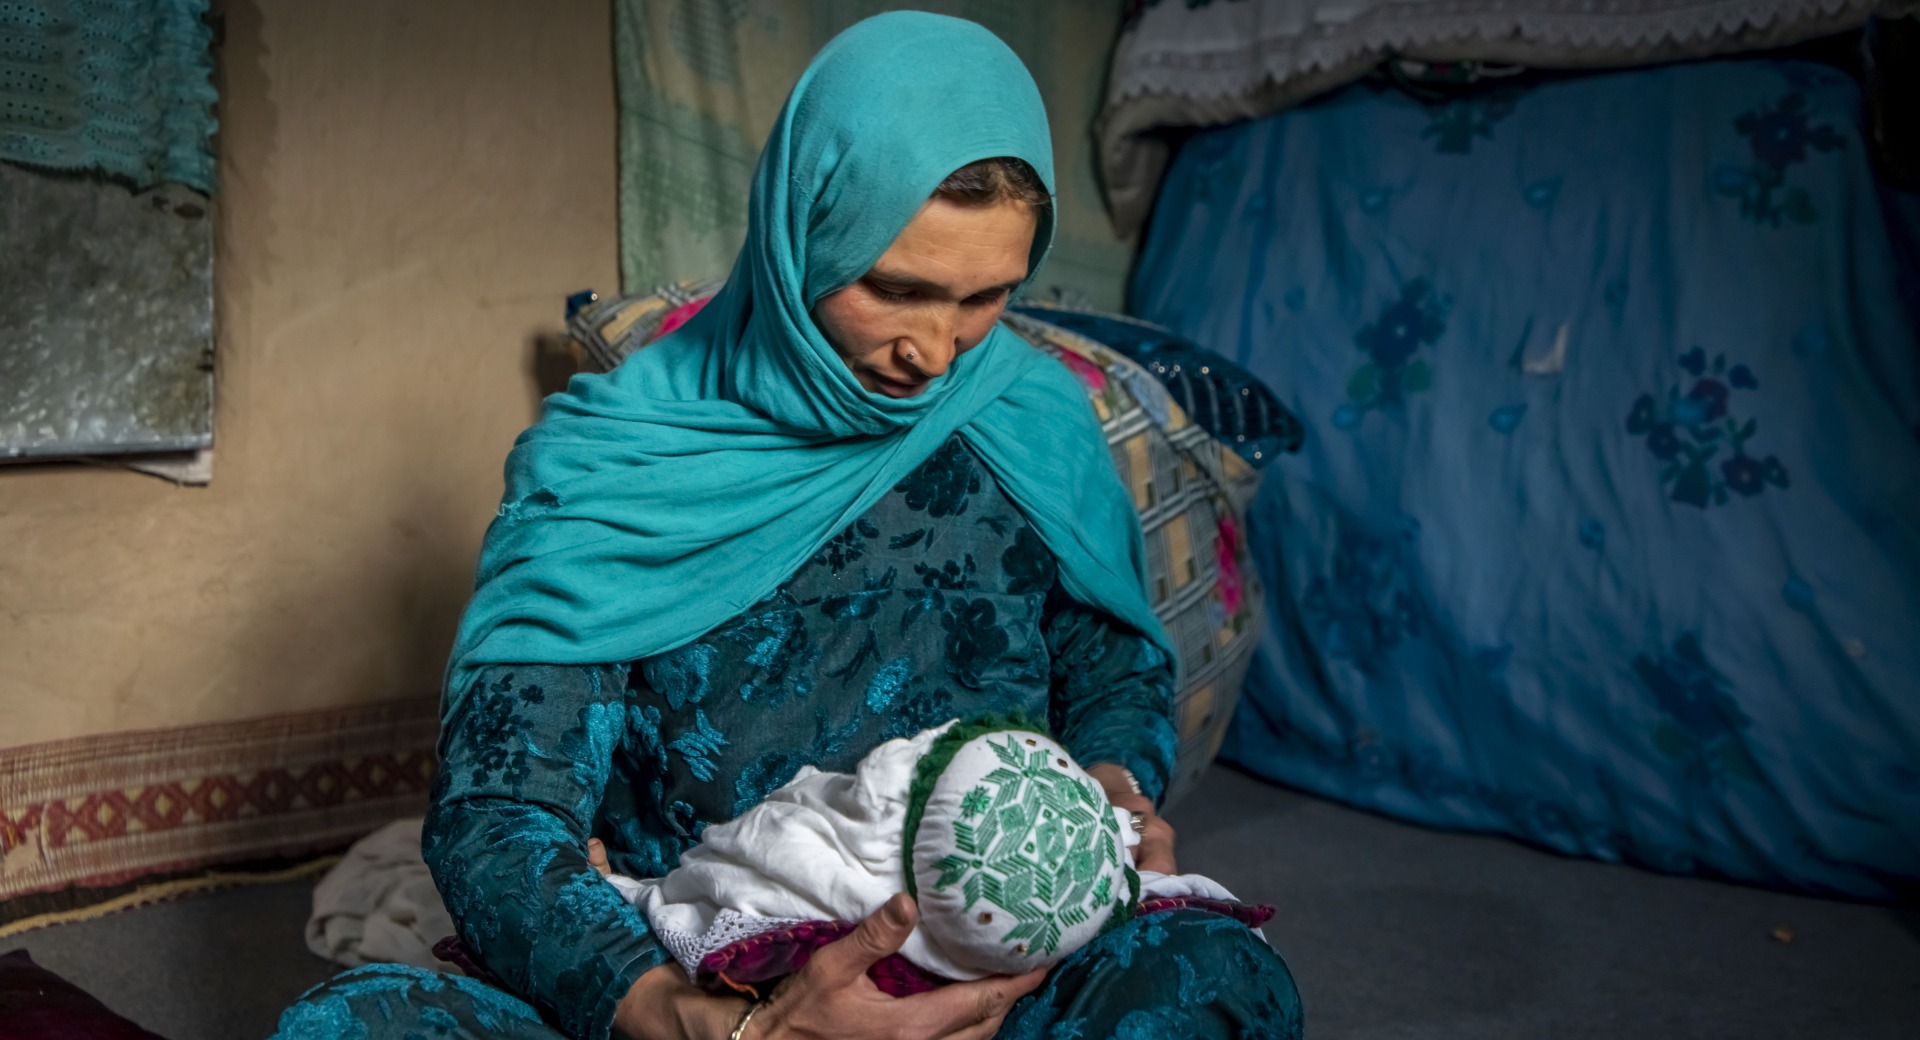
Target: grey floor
[(1393, 933)]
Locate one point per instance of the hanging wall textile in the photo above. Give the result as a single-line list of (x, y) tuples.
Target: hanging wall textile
[(122, 86), (86, 814), (700, 82)]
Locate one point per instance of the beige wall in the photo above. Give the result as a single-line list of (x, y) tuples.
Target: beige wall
[(408, 189)]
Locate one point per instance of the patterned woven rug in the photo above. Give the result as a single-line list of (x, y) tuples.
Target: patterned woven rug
[(118, 820)]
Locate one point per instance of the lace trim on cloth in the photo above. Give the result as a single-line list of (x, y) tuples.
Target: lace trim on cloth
[(774, 953), (746, 965), (124, 86), (728, 928), (1181, 64)]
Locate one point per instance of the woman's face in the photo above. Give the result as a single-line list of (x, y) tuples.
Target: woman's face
[(932, 296)]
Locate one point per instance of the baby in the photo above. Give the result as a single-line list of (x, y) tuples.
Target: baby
[(1011, 850)]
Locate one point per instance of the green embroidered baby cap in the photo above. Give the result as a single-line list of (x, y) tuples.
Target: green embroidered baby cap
[(1013, 852)]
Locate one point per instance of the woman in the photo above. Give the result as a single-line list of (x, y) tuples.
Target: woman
[(839, 506)]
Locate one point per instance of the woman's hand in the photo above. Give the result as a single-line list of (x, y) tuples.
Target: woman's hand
[(829, 997), (597, 856), (663, 1004), (832, 997), (1155, 851)]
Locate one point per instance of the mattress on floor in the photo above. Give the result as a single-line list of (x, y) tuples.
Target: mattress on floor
[(1606, 533)]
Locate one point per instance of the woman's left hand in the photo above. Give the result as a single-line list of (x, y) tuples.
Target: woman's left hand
[(1155, 851)]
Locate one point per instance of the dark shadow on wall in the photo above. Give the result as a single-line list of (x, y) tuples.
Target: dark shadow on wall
[(246, 181), (552, 359)]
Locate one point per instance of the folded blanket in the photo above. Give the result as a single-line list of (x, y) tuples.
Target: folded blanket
[(379, 904)]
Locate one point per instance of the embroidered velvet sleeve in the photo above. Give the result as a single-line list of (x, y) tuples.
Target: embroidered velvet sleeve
[(1112, 693), (525, 763)]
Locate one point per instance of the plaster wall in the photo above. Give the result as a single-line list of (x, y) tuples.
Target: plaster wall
[(407, 191)]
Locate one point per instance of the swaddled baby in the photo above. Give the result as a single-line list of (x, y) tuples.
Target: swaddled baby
[(1011, 850)]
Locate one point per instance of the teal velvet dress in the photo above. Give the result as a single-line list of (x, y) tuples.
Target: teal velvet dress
[(939, 602)]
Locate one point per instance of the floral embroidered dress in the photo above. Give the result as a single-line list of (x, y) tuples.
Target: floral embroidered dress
[(939, 602)]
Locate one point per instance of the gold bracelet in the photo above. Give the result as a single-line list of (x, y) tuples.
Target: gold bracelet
[(740, 1029)]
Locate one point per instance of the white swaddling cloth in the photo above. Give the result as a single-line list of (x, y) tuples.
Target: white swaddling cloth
[(830, 847)]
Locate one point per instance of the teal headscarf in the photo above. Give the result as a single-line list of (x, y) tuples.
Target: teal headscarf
[(655, 502)]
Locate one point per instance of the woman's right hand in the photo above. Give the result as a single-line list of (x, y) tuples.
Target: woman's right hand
[(831, 997)]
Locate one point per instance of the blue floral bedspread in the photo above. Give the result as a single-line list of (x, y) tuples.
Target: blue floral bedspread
[(1606, 534)]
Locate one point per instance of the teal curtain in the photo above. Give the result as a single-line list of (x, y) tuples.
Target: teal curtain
[(701, 80), (121, 86)]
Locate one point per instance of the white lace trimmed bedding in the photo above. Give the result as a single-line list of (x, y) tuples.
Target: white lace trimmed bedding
[(1181, 64)]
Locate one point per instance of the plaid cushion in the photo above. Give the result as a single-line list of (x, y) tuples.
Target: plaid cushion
[(1191, 491), (609, 329)]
